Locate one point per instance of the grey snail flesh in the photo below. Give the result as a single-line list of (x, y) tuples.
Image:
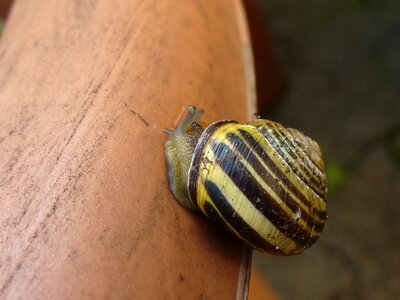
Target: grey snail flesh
[(260, 180)]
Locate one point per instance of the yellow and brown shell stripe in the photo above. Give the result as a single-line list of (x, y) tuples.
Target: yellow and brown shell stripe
[(239, 177)]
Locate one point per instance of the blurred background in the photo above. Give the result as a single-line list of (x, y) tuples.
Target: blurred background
[(340, 65)]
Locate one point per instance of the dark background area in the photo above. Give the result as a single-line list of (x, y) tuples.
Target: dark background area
[(340, 62)]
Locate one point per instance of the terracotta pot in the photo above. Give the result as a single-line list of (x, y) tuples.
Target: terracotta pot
[(86, 88)]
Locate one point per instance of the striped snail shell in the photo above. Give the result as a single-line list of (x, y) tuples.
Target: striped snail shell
[(260, 180)]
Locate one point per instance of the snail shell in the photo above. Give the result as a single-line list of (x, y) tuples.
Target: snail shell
[(260, 180)]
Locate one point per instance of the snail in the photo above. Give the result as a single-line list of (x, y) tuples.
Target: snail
[(260, 180)]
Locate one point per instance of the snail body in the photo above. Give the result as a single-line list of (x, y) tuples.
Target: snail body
[(260, 180)]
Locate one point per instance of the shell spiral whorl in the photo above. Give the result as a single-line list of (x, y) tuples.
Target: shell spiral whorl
[(262, 181)]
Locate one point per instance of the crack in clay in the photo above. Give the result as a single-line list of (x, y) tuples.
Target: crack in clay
[(140, 117)]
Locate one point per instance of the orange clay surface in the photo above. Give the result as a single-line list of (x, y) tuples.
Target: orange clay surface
[(86, 88)]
